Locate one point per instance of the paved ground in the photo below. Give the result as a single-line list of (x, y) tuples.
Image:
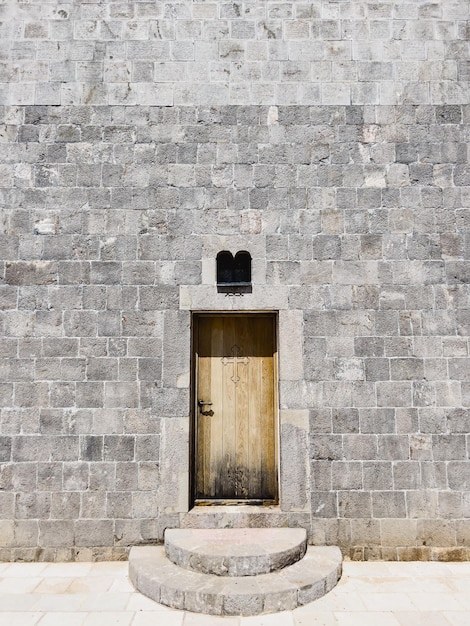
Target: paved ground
[(369, 594)]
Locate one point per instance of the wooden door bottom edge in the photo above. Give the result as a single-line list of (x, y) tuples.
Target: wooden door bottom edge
[(235, 502)]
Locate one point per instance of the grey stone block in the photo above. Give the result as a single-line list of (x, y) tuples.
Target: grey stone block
[(394, 447), (294, 478), (320, 421), (327, 447), (126, 476), (389, 504), (377, 421), (346, 475), (56, 533), (321, 475), (440, 532), (119, 505), (64, 448), (36, 273), (393, 394), (101, 477), (377, 476), (65, 505), (75, 476), (326, 247), (49, 477), (450, 505), (360, 447), (147, 447), (119, 448), (354, 504), (141, 324), (345, 420), (89, 394), (449, 447), (8, 507), (93, 533), (93, 504), (406, 369), (91, 448), (398, 531), (168, 402), (148, 477)]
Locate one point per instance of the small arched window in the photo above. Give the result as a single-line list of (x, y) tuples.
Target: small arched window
[(224, 268), (233, 271), (242, 268)]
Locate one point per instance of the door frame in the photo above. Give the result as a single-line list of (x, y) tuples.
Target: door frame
[(195, 316)]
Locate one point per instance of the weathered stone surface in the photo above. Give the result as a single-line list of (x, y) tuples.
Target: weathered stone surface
[(328, 140), (235, 552), (294, 585)]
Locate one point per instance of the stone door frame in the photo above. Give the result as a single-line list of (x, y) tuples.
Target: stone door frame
[(294, 464)]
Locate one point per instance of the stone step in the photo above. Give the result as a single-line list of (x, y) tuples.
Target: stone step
[(154, 575), (232, 516), (235, 551)]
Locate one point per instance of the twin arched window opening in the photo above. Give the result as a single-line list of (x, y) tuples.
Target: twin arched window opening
[(233, 270)]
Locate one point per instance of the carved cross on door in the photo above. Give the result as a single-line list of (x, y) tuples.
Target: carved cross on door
[(236, 359)]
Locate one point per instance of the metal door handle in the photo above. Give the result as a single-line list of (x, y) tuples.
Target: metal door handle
[(202, 403)]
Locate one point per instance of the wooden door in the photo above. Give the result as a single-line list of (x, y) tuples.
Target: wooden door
[(235, 408)]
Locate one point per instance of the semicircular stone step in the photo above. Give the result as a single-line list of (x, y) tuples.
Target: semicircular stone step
[(154, 575), (235, 551)]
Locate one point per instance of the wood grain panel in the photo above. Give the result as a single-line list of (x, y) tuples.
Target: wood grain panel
[(236, 434)]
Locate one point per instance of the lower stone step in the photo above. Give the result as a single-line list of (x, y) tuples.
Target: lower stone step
[(154, 575), (235, 551)]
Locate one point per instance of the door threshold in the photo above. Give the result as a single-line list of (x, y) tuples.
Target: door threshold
[(238, 503), (233, 507), (235, 516)]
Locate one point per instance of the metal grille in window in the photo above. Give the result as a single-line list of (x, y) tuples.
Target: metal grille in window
[(233, 271)]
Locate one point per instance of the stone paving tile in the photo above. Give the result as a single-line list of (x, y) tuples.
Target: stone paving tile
[(17, 602), (23, 570), (19, 619), (276, 619), (54, 584), (139, 602), (437, 602), (369, 594), (122, 585), (96, 584), (195, 619), (60, 602), (426, 618), (112, 618), (376, 618), (459, 568), (387, 602), (66, 618), (338, 601), (460, 584), (107, 601), (402, 585), (109, 568), (317, 618), (148, 618), (67, 569), (19, 585), (457, 618), (464, 599)]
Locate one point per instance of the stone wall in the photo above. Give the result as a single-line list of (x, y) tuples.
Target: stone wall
[(361, 213), (330, 139), (241, 52)]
